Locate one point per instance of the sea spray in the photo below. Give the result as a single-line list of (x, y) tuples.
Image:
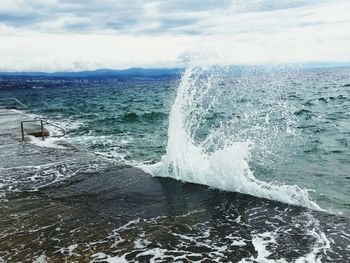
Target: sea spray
[(213, 156)]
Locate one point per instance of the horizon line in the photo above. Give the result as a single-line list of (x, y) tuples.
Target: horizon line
[(307, 65)]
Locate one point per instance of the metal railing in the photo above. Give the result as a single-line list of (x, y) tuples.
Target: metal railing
[(42, 128), (14, 104)]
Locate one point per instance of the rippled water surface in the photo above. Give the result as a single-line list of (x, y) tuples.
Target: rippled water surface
[(297, 123), (282, 137)]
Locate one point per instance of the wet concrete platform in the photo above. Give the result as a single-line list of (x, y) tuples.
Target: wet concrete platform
[(33, 163), (66, 205)]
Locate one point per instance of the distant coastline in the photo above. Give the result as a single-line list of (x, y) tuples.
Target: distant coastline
[(138, 72), (99, 73)]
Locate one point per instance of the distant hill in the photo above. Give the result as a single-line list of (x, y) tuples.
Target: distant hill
[(100, 73), (169, 72)]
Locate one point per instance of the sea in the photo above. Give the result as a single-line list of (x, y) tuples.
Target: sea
[(241, 165)]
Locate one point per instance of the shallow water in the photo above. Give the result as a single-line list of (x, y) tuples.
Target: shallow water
[(123, 215), (279, 137)]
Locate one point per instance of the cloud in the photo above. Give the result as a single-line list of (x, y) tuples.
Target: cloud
[(242, 6), (76, 34), (82, 52), (313, 32), (133, 17)]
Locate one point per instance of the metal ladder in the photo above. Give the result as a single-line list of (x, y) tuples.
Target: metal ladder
[(42, 128), (16, 102)]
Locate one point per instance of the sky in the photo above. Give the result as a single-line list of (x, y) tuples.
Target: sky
[(74, 35)]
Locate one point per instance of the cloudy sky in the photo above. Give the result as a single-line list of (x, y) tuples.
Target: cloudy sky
[(56, 35)]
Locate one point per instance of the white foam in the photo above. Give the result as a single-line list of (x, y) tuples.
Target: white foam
[(260, 243), (47, 142), (224, 168), (66, 125), (102, 257), (141, 243), (41, 259), (237, 241), (322, 243), (55, 132), (69, 250), (156, 253), (114, 155)]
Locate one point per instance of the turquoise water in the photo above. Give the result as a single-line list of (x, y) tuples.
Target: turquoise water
[(256, 155), (295, 124)]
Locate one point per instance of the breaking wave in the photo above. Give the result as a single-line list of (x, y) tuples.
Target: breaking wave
[(203, 151)]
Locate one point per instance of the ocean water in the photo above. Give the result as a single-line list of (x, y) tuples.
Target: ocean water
[(280, 137)]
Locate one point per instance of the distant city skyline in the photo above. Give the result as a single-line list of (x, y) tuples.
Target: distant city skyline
[(73, 35)]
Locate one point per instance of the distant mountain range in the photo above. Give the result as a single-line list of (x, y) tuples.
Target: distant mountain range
[(165, 72), (100, 73)]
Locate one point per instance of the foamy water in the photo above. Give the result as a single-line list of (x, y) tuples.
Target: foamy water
[(226, 167), (248, 133)]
